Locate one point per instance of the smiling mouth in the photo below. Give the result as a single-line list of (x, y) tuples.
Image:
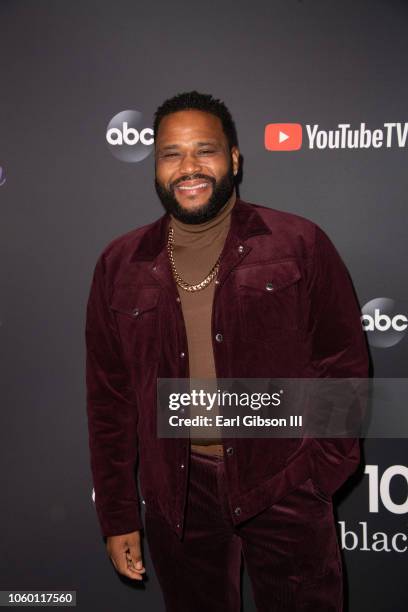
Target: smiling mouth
[(192, 189)]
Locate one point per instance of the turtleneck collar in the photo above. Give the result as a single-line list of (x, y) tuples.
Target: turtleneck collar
[(184, 229)]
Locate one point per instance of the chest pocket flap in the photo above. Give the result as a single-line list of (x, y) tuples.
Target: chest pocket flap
[(134, 300), (269, 277)]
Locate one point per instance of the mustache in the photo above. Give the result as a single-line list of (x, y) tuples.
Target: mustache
[(192, 177)]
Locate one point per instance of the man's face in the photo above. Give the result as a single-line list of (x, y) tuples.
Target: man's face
[(194, 166)]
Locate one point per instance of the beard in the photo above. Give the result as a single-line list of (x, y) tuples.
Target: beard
[(221, 192)]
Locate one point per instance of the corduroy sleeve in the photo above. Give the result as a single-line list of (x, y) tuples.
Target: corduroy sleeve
[(339, 351), (112, 416)]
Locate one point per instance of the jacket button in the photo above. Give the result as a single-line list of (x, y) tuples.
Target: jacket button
[(178, 525), (240, 248), (269, 286), (182, 354), (218, 337), (217, 282), (178, 299), (237, 511), (230, 450), (182, 466), (135, 312)]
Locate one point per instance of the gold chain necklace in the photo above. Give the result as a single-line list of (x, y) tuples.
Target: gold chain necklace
[(186, 286)]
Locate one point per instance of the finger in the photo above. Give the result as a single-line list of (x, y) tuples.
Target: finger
[(127, 568), (134, 554), (134, 567), (121, 566)]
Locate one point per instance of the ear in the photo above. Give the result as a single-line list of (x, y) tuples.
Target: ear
[(235, 159)]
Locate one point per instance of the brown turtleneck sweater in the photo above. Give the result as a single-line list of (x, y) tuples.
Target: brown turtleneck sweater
[(196, 249)]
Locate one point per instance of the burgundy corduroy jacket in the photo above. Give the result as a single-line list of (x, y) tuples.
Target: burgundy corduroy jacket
[(308, 326)]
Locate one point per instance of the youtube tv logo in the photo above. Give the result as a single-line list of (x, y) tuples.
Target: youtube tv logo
[(289, 136), (283, 136)]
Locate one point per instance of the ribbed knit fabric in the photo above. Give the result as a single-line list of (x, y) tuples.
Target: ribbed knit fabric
[(196, 249)]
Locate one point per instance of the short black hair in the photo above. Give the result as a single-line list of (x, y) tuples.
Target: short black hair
[(193, 100)]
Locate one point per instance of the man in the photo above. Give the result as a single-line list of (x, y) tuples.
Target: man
[(218, 288)]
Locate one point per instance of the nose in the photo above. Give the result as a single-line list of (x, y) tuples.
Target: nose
[(189, 164)]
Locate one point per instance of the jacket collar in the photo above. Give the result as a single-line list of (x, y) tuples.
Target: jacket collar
[(245, 222)]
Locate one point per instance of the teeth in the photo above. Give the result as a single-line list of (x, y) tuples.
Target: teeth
[(199, 186)]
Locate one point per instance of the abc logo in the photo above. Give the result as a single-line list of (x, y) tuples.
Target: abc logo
[(129, 135), (385, 327), (128, 138)]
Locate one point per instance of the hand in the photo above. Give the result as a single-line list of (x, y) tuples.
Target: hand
[(125, 553)]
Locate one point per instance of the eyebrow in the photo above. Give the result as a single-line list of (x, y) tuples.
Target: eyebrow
[(200, 143)]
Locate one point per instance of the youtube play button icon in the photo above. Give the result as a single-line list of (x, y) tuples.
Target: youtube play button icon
[(283, 136)]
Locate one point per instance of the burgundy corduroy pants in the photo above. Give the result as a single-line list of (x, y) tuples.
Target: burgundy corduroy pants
[(290, 550)]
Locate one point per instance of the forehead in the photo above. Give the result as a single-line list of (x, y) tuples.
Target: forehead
[(186, 125)]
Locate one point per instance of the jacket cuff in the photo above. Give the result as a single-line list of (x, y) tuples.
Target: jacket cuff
[(119, 522)]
